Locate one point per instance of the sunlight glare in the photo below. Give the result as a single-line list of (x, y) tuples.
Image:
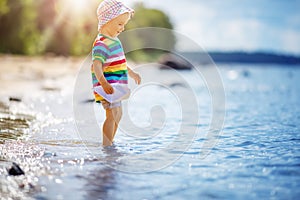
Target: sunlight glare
[(72, 12), (76, 6)]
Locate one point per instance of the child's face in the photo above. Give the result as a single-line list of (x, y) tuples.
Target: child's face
[(114, 27)]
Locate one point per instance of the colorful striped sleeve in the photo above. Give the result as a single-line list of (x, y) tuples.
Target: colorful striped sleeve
[(100, 51)]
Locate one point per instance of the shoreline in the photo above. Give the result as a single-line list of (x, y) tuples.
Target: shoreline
[(20, 74)]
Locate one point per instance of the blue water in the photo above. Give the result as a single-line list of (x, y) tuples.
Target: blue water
[(255, 156)]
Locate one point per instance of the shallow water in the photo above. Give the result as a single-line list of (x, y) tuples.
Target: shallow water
[(256, 156)]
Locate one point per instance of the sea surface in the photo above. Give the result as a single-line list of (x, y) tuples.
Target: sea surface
[(183, 136)]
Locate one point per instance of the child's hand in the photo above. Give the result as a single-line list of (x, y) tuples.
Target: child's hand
[(136, 77), (108, 89)]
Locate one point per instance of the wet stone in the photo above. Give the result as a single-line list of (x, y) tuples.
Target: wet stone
[(15, 170)]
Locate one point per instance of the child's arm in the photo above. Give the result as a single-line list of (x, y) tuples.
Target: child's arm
[(99, 74), (135, 76)]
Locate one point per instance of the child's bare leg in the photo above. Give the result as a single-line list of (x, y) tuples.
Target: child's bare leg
[(118, 116), (108, 128), (113, 117)]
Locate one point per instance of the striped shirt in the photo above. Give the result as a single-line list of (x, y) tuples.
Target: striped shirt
[(110, 52)]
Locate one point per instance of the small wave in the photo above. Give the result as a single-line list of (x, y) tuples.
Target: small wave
[(232, 157), (295, 139), (200, 166), (286, 172), (243, 144), (67, 143), (191, 152), (278, 165)]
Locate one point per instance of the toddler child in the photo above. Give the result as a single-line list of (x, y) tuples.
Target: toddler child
[(109, 62)]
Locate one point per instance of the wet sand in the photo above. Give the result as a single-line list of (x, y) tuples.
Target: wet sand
[(25, 81), (21, 75)]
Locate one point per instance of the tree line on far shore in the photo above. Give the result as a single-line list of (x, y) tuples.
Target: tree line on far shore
[(60, 27)]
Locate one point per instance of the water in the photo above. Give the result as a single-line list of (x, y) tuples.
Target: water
[(257, 156)]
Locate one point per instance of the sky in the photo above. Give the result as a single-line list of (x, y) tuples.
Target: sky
[(235, 25)]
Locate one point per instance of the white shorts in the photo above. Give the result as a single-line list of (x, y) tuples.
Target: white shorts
[(107, 105)]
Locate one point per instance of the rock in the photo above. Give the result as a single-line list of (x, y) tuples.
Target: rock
[(49, 154), (15, 170), (50, 85), (88, 101), (174, 61), (177, 84), (246, 73), (15, 99)]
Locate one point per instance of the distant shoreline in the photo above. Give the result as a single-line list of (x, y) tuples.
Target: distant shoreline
[(242, 57), (238, 57)]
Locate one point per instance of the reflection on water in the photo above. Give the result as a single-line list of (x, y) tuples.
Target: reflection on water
[(256, 157), (101, 181), (28, 156)]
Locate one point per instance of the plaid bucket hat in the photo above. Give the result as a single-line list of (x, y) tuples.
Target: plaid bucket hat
[(110, 9)]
